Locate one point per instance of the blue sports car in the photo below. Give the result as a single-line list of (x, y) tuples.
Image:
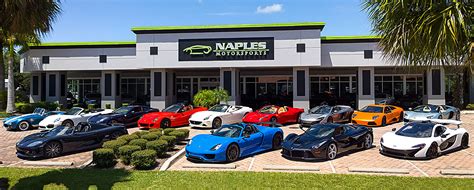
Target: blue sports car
[(25, 122), (231, 142)]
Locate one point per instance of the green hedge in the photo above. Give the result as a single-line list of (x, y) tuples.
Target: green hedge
[(144, 159), (168, 131), (128, 138), (125, 153), (158, 130), (158, 134), (139, 142), (470, 107), (104, 158), (150, 137), (186, 132), (171, 140), (23, 107), (114, 145), (140, 133), (160, 146), (180, 135)]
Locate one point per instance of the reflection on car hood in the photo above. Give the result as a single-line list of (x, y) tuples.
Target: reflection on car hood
[(392, 140), (199, 116), (17, 118), (207, 141), (304, 141), (420, 115), (31, 138), (98, 118), (312, 117)]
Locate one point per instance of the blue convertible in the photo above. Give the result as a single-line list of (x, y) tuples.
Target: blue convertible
[(25, 122), (231, 142)]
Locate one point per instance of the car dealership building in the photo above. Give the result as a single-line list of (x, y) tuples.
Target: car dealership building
[(285, 63)]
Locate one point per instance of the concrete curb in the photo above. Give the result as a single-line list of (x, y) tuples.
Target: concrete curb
[(467, 112), (456, 172), (89, 162), (170, 161), (41, 163), (379, 170), (290, 168), (211, 166)]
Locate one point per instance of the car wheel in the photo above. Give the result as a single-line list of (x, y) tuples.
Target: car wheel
[(432, 151), (165, 123), (329, 120), (400, 118), (232, 153), (465, 141), (331, 151), (277, 139), (68, 123), (216, 123), (273, 120), (384, 121), (53, 149), (451, 115), (115, 135), (368, 140), (440, 117), (24, 125)]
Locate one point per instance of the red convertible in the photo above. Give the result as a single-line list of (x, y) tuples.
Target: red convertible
[(272, 113), (172, 116)]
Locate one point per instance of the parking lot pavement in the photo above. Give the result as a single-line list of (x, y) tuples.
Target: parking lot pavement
[(365, 159)]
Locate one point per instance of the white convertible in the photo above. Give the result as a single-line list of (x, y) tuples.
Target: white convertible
[(426, 139), (218, 115), (71, 118)]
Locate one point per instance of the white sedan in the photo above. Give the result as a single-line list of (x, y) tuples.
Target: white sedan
[(426, 139), (219, 115), (71, 118)]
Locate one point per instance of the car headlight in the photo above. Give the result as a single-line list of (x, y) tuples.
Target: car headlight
[(419, 146), (57, 119), (375, 117), (36, 143), (354, 115), (206, 118), (317, 145), (217, 146), (155, 120), (190, 141)]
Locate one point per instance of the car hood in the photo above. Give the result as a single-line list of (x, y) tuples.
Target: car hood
[(104, 117), (257, 117), (366, 115), (207, 141), (312, 117), (394, 141), (50, 119), (31, 138), (149, 117), (411, 115), (199, 116), (304, 141), (21, 117)]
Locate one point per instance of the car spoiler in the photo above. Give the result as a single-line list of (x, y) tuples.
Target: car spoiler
[(446, 121)]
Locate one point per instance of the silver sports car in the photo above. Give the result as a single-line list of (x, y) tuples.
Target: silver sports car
[(426, 112), (326, 114)]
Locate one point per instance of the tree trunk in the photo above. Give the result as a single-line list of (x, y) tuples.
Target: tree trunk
[(458, 91), (2, 78), (11, 85)]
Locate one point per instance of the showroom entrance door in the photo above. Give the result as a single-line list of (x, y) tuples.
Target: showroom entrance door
[(187, 87)]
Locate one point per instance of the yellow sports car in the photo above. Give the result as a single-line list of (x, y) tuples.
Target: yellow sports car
[(377, 115)]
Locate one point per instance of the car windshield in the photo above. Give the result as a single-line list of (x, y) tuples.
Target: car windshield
[(58, 131), (268, 110), (372, 109), (39, 111), (73, 111), (219, 108), (231, 131), (426, 109), (123, 110), (320, 131), (173, 108), (417, 130), (320, 110)]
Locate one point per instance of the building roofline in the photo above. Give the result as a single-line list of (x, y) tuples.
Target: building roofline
[(62, 45), (229, 27), (349, 39)]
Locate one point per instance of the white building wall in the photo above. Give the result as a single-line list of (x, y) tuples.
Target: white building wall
[(351, 55)]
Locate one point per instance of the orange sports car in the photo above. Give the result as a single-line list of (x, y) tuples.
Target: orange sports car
[(377, 115)]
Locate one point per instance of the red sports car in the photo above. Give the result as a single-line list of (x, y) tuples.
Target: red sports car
[(272, 113), (172, 116)]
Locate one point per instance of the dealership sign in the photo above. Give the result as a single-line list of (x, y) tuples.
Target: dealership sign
[(226, 49)]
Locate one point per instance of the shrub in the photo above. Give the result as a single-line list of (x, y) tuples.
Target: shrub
[(168, 131), (158, 134), (124, 104), (180, 135), (150, 136), (143, 159), (208, 98), (125, 153), (108, 106), (139, 142), (186, 132), (114, 145), (128, 138), (90, 106), (470, 107), (23, 107), (140, 133), (156, 130), (160, 146), (171, 140), (104, 158)]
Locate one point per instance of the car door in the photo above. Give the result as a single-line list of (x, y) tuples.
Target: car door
[(342, 139), (336, 114), (77, 140), (250, 141), (445, 138), (181, 117), (133, 115), (88, 137), (388, 114)]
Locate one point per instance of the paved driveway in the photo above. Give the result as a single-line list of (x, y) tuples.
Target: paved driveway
[(368, 159)]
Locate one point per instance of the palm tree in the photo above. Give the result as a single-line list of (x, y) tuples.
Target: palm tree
[(23, 22), (424, 34)]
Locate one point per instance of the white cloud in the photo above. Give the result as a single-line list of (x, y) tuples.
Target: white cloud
[(200, 1), (270, 9)]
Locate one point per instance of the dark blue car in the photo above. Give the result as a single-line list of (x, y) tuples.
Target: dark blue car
[(127, 115), (231, 142), (27, 121)]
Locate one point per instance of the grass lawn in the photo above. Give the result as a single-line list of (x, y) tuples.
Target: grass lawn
[(26, 178)]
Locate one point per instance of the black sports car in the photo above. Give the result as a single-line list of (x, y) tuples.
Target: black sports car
[(326, 141), (53, 143), (127, 115)]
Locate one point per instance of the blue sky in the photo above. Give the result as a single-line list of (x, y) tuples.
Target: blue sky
[(111, 20)]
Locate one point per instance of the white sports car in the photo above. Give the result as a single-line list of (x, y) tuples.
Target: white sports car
[(218, 115), (71, 118), (426, 139)]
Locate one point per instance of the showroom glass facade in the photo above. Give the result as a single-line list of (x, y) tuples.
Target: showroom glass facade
[(406, 89), (257, 91), (135, 90), (333, 89), (187, 87), (81, 88)]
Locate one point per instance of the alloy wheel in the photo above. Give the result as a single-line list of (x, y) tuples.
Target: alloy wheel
[(23, 126), (232, 153), (68, 124), (432, 151), (465, 141), (53, 149), (368, 141), (216, 123), (277, 139), (332, 151)]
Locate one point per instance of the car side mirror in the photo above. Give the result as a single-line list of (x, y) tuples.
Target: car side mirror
[(394, 129), (444, 135), (212, 131)]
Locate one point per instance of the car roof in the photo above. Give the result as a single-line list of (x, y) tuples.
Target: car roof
[(378, 105)]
